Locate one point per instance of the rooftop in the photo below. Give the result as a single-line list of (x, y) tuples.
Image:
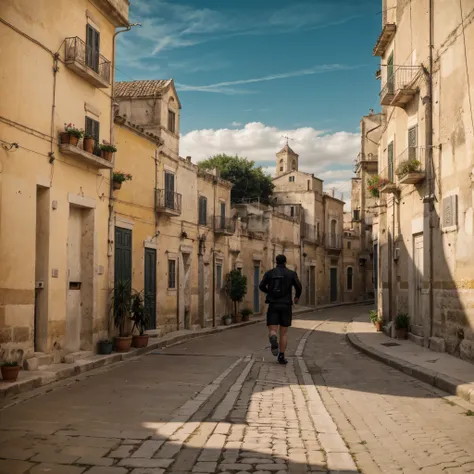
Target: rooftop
[(286, 149), (145, 88)]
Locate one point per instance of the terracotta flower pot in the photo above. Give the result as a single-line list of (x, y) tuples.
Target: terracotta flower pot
[(73, 140), (123, 344), (140, 341), (117, 185), (64, 137), (238, 318), (10, 372), (401, 333), (89, 144), (378, 325), (106, 155)]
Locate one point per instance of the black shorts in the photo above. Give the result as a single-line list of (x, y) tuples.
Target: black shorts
[(279, 315)]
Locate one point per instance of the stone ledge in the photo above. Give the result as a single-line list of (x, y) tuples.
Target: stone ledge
[(443, 382)]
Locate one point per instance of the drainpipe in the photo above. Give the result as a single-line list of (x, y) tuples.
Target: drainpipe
[(214, 182)]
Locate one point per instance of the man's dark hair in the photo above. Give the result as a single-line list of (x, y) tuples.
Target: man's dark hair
[(281, 260)]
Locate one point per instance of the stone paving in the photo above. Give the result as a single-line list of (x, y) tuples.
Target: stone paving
[(330, 409)]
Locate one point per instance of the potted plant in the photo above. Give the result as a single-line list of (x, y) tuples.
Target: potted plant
[(246, 313), (88, 143), (120, 177), (105, 346), (236, 288), (409, 171), (71, 134), (121, 310), (106, 150), (401, 325), (10, 371), (227, 320), (140, 320), (376, 321)]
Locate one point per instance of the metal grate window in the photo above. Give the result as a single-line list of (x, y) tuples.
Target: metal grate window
[(450, 211), (171, 274)]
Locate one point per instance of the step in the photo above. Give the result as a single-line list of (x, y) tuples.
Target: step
[(73, 357), (38, 359)]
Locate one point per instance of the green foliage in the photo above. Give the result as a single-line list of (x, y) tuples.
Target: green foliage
[(246, 312), (402, 321), (10, 364), (375, 183), (139, 316), (249, 181), (121, 306), (107, 147), (236, 286), (407, 166), (374, 317), (73, 130), (120, 177)]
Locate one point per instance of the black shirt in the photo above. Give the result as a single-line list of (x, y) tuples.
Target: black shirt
[(290, 280)]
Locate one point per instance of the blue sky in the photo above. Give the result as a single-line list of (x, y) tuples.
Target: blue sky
[(255, 70)]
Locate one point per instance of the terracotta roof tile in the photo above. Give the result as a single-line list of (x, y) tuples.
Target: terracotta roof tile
[(146, 88)]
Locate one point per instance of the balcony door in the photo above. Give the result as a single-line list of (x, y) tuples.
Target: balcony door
[(412, 142), (93, 47), (169, 190), (222, 223)]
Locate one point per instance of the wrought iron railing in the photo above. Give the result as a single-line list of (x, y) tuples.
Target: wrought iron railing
[(334, 241), (401, 78), (166, 200), (78, 50), (411, 160), (224, 225), (311, 233)]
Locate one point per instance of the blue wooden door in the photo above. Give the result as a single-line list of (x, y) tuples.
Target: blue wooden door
[(256, 291)]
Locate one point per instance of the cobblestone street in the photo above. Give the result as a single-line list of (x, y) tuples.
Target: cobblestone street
[(221, 404)]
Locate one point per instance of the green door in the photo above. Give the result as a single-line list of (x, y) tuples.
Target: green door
[(390, 75), (150, 287), (123, 255)]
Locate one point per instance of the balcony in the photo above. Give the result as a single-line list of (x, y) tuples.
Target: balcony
[(387, 183), (366, 161), (400, 86), (333, 241), (167, 202), (87, 158), (87, 63), (311, 234), (410, 167), (224, 225), (385, 38)]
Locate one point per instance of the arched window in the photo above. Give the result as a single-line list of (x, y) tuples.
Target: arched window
[(349, 277)]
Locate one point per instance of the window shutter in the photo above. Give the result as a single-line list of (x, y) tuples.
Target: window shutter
[(412, 143), (450, 211), (390, 161)]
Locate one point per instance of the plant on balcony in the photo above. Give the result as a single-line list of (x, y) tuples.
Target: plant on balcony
[(71, 134), (236, 288), (119, 178), (88, 143), (140, 320), (106, 150), (375, 183), (408, 166)]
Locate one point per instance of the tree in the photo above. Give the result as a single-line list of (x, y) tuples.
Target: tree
[(250, 182), (236, 288)]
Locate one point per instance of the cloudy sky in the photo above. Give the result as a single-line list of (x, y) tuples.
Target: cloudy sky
[(249, 72)]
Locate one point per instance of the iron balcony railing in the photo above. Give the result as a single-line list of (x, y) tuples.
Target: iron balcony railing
[(168, 201), (311, 233), (78, 50), (410, 165), (224, 225), (401, 78), (334, 241)]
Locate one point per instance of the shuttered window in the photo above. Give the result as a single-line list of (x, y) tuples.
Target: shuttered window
[(171, 274), (412, 143), (92, 128), (202, 210), (171, 121), (93, 47), (450, 211), (390, 161)]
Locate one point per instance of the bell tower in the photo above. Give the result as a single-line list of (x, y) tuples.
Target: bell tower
[(286, 160)]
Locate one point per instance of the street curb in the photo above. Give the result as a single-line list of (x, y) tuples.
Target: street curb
[(443, 382)]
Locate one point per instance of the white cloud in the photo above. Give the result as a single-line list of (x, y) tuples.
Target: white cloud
[(236, 124), (328, 155)]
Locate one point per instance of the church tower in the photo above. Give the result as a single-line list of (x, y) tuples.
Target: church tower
[(287, 160)]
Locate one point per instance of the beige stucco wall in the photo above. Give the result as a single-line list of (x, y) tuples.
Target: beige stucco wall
[(32, 249)]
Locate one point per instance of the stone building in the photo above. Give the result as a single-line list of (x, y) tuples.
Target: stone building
[(57, 63), (425, 158), (301, 194)]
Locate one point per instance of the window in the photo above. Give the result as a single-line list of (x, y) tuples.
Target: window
[(218, 276), (92, 48), (390, 161), (291, 179), (171, 121), (356, 214), (281, 168), (171, 274), (202, 210), (92, 128), (293, 165), (412, 143), (169, 190), (292, 211), (349, 278), (349, 245)]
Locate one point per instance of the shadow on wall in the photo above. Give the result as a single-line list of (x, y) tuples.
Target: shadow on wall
[(404, 281)]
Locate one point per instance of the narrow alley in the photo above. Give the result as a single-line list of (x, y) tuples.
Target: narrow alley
[(221, 404)]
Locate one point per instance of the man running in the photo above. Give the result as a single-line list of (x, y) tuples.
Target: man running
[(278, 284)]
